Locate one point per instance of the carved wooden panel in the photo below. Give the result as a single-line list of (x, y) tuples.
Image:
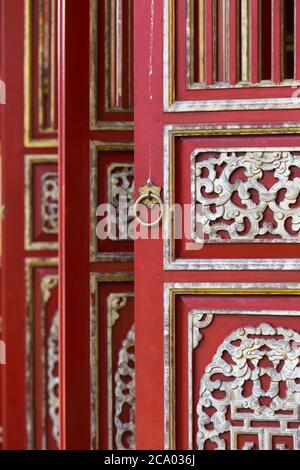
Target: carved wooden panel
[(232, 366), (40, 73), (111, 64), (230, 55), (112, 183), (239, 198), (41, 202), (258, 386), (42, 323), (112, 378)]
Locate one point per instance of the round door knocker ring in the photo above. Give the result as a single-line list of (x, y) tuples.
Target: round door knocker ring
[(142, 198)]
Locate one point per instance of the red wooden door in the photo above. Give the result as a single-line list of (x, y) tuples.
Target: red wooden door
[(217, 128), (68, 70), (96, 275)]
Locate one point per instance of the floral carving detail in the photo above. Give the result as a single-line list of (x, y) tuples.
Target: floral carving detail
[(251, 389), (49, 205), (125, 395), (121, 186), (247, 196), (53, 378)]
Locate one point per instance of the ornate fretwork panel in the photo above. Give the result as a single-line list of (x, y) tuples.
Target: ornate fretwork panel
[(112, 338), (121, 193), (125, 395), (250, 393), (50, 203), (53, 377), (251, 196), (251, 48)]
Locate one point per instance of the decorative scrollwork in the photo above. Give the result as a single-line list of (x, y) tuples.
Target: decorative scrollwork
[(49, 204), (53, 378), (248, 196), (121, 189), (125, 395), (250, 392)]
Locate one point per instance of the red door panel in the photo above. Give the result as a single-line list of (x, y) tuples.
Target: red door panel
[(208, 132), (234, 196), (30, 227), (42, 354), (113, 359), (230, 55)]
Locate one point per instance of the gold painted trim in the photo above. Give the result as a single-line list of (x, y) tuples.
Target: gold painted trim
[(95, 148), (30, 265), (29, 141), (171, 291), (95, 280), (29, 162), (95, 123)]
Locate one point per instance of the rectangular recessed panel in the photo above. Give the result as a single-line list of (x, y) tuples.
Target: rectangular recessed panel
[(112, 194), (41, 202), (42, 320)]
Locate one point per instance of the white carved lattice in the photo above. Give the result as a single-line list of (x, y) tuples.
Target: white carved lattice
[(125, 395), (251, 390), (53, 378), (244, 195)]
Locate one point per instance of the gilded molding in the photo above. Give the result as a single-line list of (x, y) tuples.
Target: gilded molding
[(29, 162), (175, 289)]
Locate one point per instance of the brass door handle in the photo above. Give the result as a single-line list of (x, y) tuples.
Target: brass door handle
[(150, 196)]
